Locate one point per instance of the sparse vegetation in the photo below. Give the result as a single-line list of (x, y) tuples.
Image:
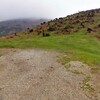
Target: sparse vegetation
[(95, 70), (77, 72), (67, 67), (86, 85)]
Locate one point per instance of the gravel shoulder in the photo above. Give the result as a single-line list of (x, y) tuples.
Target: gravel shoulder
[(34, 74)]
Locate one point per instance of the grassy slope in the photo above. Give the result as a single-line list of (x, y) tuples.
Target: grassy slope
[(77, 46)]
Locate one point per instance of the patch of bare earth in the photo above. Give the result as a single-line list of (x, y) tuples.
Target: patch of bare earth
[(35, 74)]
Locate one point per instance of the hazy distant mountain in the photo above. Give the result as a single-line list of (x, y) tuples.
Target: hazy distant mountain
[(11, 26)]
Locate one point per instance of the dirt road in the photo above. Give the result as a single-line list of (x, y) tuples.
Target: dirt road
[(35, 74)]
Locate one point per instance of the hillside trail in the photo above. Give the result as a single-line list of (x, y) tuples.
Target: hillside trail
[(34, 74)]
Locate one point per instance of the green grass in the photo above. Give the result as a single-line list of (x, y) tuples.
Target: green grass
[(77, 46)]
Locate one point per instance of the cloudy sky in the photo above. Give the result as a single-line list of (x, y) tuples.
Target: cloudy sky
[(14, 9)]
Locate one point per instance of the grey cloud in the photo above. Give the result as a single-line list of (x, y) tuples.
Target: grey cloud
[(13, 9)]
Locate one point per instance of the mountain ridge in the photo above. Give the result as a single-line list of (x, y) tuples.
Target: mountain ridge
[(17, 25)]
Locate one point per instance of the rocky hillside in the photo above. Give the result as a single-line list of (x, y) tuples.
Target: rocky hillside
[(86, 20), (12, 26)]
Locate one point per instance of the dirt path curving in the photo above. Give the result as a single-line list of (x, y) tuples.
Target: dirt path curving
[(35, 74)]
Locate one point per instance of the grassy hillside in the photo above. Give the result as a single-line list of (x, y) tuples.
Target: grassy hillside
[(70, 35)]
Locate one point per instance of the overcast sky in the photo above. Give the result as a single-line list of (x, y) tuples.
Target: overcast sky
[(14, 9)]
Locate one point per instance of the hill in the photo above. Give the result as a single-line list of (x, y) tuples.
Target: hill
[(12, 26), (85, 20), (76, 35), (59, 59)]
